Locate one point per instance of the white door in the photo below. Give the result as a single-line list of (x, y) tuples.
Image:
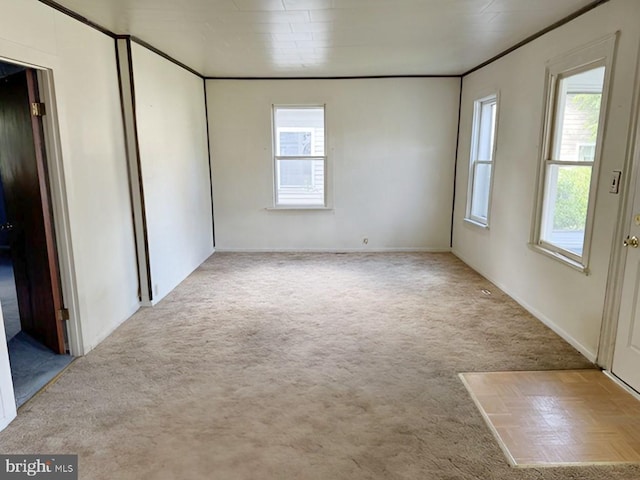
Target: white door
[(7, 397), (626, 357)]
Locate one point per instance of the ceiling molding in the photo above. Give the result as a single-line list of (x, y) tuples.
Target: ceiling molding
[(115, 36), (150, 47), (535, 36), (77, 16), (347, 77), (53, 4)]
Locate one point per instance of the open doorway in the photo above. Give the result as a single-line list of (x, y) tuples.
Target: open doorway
[(30, 293)]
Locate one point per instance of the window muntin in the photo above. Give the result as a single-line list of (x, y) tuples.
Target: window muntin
[(483, 147), (299, 159), (569, 163)]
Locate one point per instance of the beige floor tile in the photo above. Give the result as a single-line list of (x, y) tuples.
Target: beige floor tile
[(558, 417)]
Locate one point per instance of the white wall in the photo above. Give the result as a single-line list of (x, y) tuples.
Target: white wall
[(390, 147), (172, 136), (569, 301), (93, 154), (8, 409)]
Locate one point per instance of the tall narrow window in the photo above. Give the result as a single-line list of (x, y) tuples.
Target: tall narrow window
[(483, 146), (299, 156), (576, 107)]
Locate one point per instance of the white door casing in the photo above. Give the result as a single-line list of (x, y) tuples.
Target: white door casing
[(8, 410)]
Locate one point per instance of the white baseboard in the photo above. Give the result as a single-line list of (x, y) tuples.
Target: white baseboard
[(332, 250), (586, 352), (88, 346)]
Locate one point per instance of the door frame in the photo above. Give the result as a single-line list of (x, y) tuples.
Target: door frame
[(60, 210), (629, 187), (59, 203)]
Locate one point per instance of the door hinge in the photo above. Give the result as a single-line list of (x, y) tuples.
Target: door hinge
[(37, 109), (63, 314)]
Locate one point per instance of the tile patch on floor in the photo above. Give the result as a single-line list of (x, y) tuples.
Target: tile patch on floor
[(555, 418)]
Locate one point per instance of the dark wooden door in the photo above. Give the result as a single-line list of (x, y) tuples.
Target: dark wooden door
[(31, 236)]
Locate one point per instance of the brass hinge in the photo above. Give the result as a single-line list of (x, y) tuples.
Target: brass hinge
[(37, 109), (63, 314)]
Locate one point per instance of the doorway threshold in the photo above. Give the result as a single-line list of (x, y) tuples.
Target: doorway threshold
[(33, 366)]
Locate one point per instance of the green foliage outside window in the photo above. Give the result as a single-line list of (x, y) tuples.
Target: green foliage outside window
[(572, 198), (573, 183), (589, 105)]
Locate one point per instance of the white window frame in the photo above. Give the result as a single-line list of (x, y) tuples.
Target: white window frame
[(473, 158), (597, 54), (277, 158)]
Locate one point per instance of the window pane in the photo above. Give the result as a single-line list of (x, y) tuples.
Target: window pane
[(565, 207), (586, 153), (577, 115), (300, 182), (480, 194), (296, 173), (295, 143), (486, 130), (299, 132)]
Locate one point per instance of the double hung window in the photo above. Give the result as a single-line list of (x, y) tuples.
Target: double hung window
[(299, 156), (483, 145), (573, 131)]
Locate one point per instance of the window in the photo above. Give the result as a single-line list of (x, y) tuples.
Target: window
[(576, 107), (483, 147), (299, 156), (587, 152)]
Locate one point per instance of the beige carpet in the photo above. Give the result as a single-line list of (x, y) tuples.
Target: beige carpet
[(309, 366)]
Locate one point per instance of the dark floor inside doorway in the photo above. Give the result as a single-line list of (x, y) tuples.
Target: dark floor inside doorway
[(32, 364)]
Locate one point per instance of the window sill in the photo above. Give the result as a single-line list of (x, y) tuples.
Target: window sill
[(559, 257), (303, 208), (476, 224)]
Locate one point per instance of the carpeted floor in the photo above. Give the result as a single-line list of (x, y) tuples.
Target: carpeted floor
[(300, 366)]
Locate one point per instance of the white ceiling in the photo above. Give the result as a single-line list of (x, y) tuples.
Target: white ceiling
[(320, 38)]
